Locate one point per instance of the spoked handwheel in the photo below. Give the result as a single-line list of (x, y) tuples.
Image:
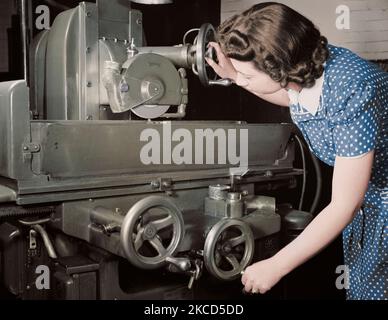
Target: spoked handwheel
[(229, 249), (151, 231), (205, 72), (206, 34)]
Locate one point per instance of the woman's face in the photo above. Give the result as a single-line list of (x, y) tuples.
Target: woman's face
[(254, 80)]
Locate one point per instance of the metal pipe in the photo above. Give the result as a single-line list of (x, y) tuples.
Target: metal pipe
[(263, 203), (180, 56), (105, 217), (181, 113), (304, 172), (23, 26), (31, 223), (318, 173), (318, 190), (46, 240)]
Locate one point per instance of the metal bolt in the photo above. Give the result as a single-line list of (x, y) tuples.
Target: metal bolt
[(240, 248), (166, 184), (269, 173), (227, 248), (182, 72), (139, 21), (89, 117), (25, 148), (88, 14), (155, 184), (124, 87), (88, 50), (88, 84)]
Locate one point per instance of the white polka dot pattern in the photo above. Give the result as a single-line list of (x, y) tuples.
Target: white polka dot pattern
[(352, 119)]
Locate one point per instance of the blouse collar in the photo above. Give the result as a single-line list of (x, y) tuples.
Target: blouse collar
[(308, 98)]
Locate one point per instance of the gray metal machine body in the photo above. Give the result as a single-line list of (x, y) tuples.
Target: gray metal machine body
[(70, 151)]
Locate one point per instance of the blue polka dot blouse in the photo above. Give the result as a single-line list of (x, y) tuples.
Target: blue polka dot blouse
[(351, 120)]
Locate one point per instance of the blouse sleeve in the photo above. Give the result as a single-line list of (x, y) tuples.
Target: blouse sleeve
[(356, 129)]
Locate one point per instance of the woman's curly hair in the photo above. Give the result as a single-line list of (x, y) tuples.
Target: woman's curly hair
[(278, 40)]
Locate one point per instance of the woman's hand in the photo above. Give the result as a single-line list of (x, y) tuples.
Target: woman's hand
[(348, 192), (261, 276), (224, 68)]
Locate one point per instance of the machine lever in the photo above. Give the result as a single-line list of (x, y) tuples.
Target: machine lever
[(191, 281), (196, 273), (182, 264)]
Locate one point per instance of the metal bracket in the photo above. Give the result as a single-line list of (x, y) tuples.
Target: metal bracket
[(32, 248), (29, 149), (162, 184), (32, 239)]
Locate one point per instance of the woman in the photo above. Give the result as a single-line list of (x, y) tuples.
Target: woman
[(340, 104)]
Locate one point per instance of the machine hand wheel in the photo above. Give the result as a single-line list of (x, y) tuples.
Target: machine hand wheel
[(206, 74), (229, 248), (151, 231)]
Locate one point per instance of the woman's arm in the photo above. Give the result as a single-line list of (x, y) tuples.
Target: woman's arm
[(349, 185)]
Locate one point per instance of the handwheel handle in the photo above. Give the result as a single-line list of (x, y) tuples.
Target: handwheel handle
[(182, 264), (222, 82)]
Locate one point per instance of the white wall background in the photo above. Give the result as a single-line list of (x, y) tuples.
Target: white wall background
[(368, 32)]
